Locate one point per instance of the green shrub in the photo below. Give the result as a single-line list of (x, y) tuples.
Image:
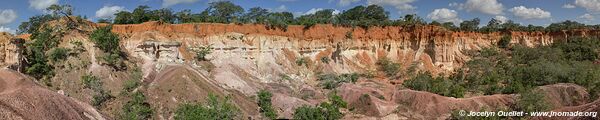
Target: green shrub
[(264, 102), (325, 59), (40, 70), (438, 85), (368, 74), (108, 42), (37, 62), (113, 60), (331, 81), (58, 54), (134, 81), (202, 51), (532, 101), (306, 112), (137, 108), (325, 111), (100, 97), (130, 85), (579, 49), (488, 52), (302, 61), (504, 42), (92, 82), (388, 67), (77, 46), (214, 109), (285, 77)]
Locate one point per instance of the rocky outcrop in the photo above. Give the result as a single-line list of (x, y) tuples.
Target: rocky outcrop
[(178, 84), (11, 49), (21, 98), (565, 94), (380, 101), (164, 52)]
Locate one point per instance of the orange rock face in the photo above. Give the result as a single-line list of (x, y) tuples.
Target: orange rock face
[(432, 48)]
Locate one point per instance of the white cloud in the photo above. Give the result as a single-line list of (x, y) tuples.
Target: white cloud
[(491, 7), (589, 5), (109, 11), (530, 13), (500, 18), (7, 16), (347, 2), (6, 29), (444, 15), (568, 6), (586, 16), (400, 5), (167, 3), (41, 4), (314, 10)]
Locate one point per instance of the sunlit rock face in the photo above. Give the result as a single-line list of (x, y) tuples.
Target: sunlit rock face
[(162, 52), (430, 48)]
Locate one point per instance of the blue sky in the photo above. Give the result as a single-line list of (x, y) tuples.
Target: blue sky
[(537, 12)]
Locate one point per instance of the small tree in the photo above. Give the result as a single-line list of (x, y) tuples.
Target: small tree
[(108, 42), (215, 108), (92, 82), (134, 80), (223, 12), (470, 25), (264, 102), (388, 67), (136, 108), (302, 61), (58, 54), (504, 41), (202, 51), (325, 59), (325, 111)]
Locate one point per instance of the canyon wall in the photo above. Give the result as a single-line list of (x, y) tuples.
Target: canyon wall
[(430, 48), (249, 58)]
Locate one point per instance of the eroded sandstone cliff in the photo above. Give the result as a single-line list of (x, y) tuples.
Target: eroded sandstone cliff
[(249, 58)]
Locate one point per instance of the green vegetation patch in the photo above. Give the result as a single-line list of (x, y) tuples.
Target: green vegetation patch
[(215, 108), (325, 111)]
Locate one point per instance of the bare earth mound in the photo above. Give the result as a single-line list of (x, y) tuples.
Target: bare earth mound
[(23, 99)]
